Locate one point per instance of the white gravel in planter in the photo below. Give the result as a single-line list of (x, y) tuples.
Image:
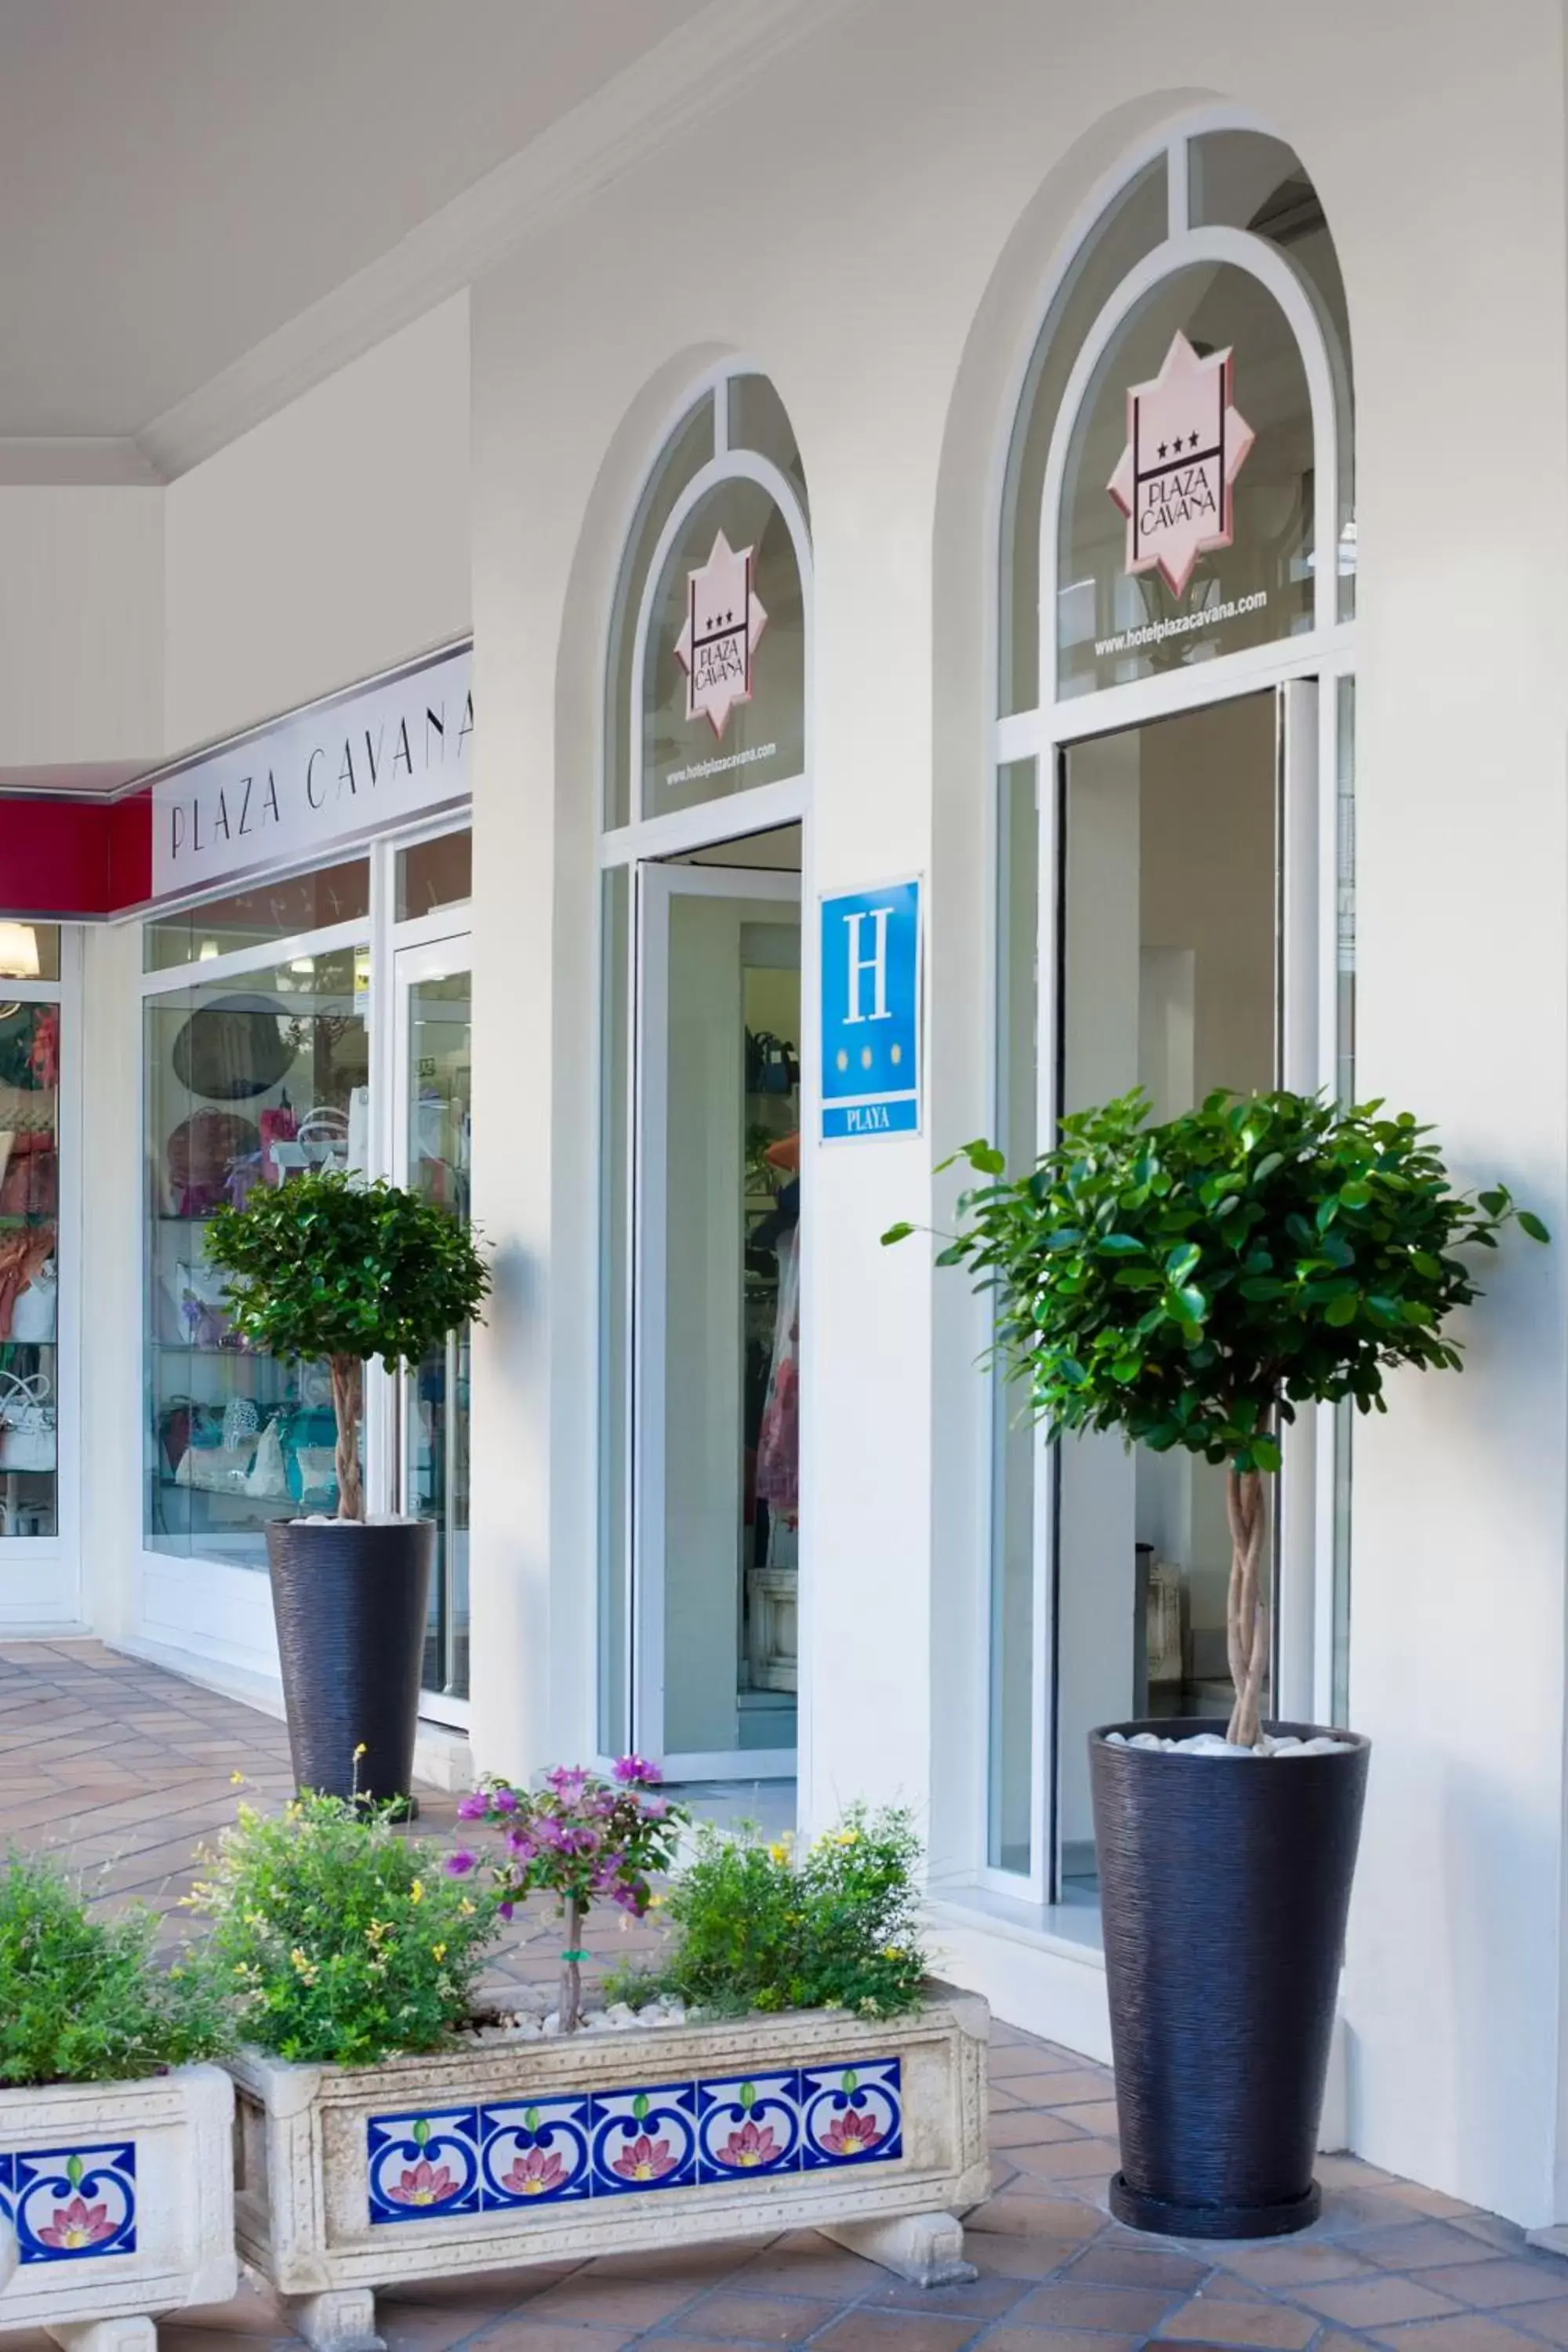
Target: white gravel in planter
[(1215, 1743)]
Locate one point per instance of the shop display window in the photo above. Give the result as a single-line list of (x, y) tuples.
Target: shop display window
[(30, 1383), (300, 1024)]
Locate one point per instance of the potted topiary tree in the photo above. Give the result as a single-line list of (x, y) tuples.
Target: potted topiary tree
[(1193, 1284), (326, 1268)]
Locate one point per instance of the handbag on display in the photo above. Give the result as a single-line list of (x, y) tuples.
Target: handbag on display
[(33, 1316), (322, 1141), (267, 1478), (202, 1151), (26, 1423), (224, 1468)]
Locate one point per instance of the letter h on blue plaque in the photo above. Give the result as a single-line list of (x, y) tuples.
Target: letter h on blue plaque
[(871, 1012)]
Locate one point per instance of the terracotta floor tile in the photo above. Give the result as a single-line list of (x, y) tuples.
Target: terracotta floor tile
[(1037, 2215), (1095, 2115), (1375, 2302), (808, 2266), (523, 2334), (1419, 2245), (482, 2292), (1126, 2310), (1014, 2256), (611, 2302), (1028, 2058), (1078, 2084), (1068, 2159), (1501, 2281), (1214, 2319), (1295, 2262), (428, 2326), (1033, 2127), (1012, 2338), (1547, 2319), (726, 2317), (990, 2296), (1472, 2331), (901, 2331), (1114, 2260)]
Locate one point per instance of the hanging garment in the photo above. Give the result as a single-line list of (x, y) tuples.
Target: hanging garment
[(778, 1441)]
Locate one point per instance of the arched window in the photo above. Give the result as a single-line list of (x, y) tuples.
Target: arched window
[(706, 769), (1176, 589)]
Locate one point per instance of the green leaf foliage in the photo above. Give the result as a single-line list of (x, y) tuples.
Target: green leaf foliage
[(325, 1265), (758, 1927), (81, 1998), (339, 1941), (1189, 1283)]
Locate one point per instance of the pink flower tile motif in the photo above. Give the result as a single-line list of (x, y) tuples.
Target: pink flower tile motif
[(71, 2203), (852, 2115), (645, 2140), (423, 2164), (535, 2151), (748, 2124)]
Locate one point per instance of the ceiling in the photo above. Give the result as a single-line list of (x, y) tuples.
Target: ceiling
[(179, 178)]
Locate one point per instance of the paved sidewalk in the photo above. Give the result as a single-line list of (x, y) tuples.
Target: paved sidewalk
[(123, 1769)]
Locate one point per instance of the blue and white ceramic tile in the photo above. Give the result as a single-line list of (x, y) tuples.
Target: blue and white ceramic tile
[(424, 2164), (645, 2138), (851, 2115), (541, 2151), (748, 2123), (70, 2204)]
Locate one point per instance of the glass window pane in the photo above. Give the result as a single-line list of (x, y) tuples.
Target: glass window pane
[(760, 421), (434, 874), (248, 1082), (283, 910), (435, 1423), (725, 669), (1132, 225), (1344, 1069), (614, 1315), (29, 1213), (730, 1363), (1243, 179), (1114, 624), (687, 450), (1168, 982), (29, 951), (1013, 1795)]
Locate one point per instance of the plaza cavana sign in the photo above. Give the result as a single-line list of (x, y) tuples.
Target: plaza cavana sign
[(1187, 443), (381, 754)]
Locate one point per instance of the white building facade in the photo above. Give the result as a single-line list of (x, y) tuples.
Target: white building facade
[(723, 528)]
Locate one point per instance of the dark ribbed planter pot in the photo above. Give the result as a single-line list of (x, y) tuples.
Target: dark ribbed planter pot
[(1224, 1883), (349, 1604)]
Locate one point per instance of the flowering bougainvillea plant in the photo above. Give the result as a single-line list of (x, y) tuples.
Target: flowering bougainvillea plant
[(581, 1839)]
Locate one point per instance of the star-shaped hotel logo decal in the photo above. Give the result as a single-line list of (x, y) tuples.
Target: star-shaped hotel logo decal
[(718, 636), (1187, 443)]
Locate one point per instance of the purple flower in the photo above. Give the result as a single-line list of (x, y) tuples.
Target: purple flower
[(504, 1800), (631, 1770), (505, 1910), (569, 1782), (457, 1866), (656, 1808), (522, 1843), (473, 1806)]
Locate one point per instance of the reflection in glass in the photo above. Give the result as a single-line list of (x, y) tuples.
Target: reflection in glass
[(281, 909), (1168, 982), (760, 740), (1260, 586), (687, 450), (29, 1216), (1132, 224), (615, 1316), (431, 874), (436, 1417), (1344, 1088), (1243, 178), (29, 951), (249, 1082), (1012, 1804), (760, 421), (731, 1284)]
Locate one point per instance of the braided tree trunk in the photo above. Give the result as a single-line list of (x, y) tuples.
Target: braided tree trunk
[(346, 1386), (1246, 1619)]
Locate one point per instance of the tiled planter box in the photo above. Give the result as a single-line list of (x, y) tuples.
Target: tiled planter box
[(116, 2203), (539, 2151)]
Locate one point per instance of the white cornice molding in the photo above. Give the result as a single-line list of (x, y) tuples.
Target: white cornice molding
[(639, 111), (56, 460)]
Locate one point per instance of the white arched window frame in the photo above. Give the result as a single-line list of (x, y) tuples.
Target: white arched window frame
[(629, 1583), (1309, 671)]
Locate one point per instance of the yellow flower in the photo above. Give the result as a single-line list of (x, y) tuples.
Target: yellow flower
[(846, 1837), (359, 1751), (464, 1909), (237, 1780), (417, 1892), (437, 1951), (893, 1952), (779, 1851), (655, 1903)]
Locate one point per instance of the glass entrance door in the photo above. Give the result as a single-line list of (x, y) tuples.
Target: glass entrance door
[(717, 1388), (432, 1153)]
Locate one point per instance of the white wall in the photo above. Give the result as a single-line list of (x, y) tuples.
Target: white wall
[(327, 543), (81, 641), (905, 186)]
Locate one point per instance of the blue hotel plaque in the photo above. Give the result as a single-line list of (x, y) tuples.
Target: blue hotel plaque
[(871, 1012)]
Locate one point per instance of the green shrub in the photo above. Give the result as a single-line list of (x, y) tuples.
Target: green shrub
[(757, 1928), (81, 1998), (340, 1941)]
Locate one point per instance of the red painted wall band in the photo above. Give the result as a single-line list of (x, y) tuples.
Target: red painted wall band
[(74, 859)]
